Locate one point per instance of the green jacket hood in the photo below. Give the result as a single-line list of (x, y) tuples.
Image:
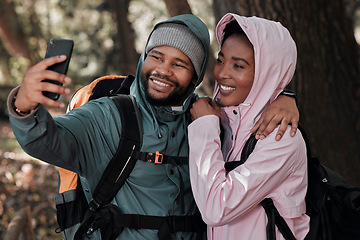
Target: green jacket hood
[(201, 31)]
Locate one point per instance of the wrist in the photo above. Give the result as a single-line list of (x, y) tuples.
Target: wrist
[(16, 109), (292, 94)]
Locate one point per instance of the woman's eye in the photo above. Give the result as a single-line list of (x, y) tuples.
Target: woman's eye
[(218, 60), (238, 66)]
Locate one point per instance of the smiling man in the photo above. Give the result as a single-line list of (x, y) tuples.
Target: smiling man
[(85, 139)]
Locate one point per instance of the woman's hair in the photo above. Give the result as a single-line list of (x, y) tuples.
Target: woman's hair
[(230, 29)]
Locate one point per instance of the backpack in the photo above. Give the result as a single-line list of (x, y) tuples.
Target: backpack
[(332, 203), (76, 217)]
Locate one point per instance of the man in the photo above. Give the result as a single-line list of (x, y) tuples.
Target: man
[(85, 139)]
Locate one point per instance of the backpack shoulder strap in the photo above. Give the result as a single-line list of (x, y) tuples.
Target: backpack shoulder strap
[(247, 150), (274, 218), (122, 163)]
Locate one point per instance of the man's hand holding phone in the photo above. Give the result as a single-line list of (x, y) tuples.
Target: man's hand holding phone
[(42, 83), (30, 94)]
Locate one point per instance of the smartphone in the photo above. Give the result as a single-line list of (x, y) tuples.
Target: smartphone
[(56, 47)]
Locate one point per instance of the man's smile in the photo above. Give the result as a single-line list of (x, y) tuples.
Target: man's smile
[(160, 84)]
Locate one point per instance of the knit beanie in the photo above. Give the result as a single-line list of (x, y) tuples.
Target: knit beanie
[(181, 37)]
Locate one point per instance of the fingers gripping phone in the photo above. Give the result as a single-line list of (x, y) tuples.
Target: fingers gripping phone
[(57, 47)]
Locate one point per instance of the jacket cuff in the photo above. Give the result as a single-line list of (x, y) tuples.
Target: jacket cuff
[(10, 103)]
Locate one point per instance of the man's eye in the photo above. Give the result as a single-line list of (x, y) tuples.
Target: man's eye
[(155, 57), (179, 65), (218, 60)]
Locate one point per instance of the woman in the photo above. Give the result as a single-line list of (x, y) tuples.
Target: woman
[(256, 61)]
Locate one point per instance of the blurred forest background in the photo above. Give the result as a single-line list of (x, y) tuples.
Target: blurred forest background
[(109, 37)]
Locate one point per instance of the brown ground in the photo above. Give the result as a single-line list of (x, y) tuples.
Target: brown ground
[(25, 181)]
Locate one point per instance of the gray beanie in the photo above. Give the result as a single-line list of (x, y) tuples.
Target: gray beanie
[(180, 37)]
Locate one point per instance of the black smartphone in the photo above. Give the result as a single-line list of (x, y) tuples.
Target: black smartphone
[(56, 47)]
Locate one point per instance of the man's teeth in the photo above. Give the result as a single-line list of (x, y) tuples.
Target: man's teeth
[(226, 88), (161, 83)]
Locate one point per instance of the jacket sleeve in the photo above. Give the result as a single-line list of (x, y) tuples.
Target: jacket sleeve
[(71, 141), (222, 197)]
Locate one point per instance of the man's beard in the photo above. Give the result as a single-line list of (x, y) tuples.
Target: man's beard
[(173, 99)]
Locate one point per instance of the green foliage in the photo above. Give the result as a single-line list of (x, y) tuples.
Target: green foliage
[(88, 23)]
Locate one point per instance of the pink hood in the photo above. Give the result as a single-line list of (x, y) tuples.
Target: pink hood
[(275, 59)]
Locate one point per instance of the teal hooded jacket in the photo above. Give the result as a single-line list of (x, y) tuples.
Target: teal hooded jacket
[(85, 139)]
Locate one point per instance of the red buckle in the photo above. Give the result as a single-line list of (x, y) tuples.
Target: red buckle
[(158, 157)]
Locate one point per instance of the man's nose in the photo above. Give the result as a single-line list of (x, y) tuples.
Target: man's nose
[(164, 69)]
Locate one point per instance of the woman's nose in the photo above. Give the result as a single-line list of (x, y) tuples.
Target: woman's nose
[(223, 72)]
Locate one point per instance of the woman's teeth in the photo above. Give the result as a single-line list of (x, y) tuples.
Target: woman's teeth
[(226, 88)]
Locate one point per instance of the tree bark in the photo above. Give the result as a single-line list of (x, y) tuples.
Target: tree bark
[(177, 7), (20, 226), (327, 77), (125, 44), (11, 32)]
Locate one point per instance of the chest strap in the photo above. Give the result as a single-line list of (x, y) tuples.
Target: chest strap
[(166, 225), (159, 158)]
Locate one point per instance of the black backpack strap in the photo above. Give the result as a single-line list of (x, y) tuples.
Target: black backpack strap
[(247, 150), (274, 218), (125, 85), (122, 163), (112, 86), (120, 166), (159, 158)]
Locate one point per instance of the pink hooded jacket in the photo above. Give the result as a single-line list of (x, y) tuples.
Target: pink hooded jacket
[(229, 203)]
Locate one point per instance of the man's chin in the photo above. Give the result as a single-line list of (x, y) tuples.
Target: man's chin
[(157, 101)]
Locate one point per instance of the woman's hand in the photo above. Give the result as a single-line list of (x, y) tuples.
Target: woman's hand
[(204, 106), (284, 111)]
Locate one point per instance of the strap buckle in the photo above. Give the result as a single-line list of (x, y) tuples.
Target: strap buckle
[(93, 205), (158, 158)]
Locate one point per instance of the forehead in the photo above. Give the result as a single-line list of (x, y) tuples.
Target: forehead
[(237, 42), (171, 53)]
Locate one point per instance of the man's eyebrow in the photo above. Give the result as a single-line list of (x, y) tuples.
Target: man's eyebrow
[(183, 61), (177, 59), (155, 51)]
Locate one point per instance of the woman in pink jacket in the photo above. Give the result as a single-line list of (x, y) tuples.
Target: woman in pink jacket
[(256, 61)]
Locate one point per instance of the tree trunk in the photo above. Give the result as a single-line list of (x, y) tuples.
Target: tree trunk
[(177, 7), (182, 7), (20, 227), (327, 77), (125, 44), (11, 32)]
